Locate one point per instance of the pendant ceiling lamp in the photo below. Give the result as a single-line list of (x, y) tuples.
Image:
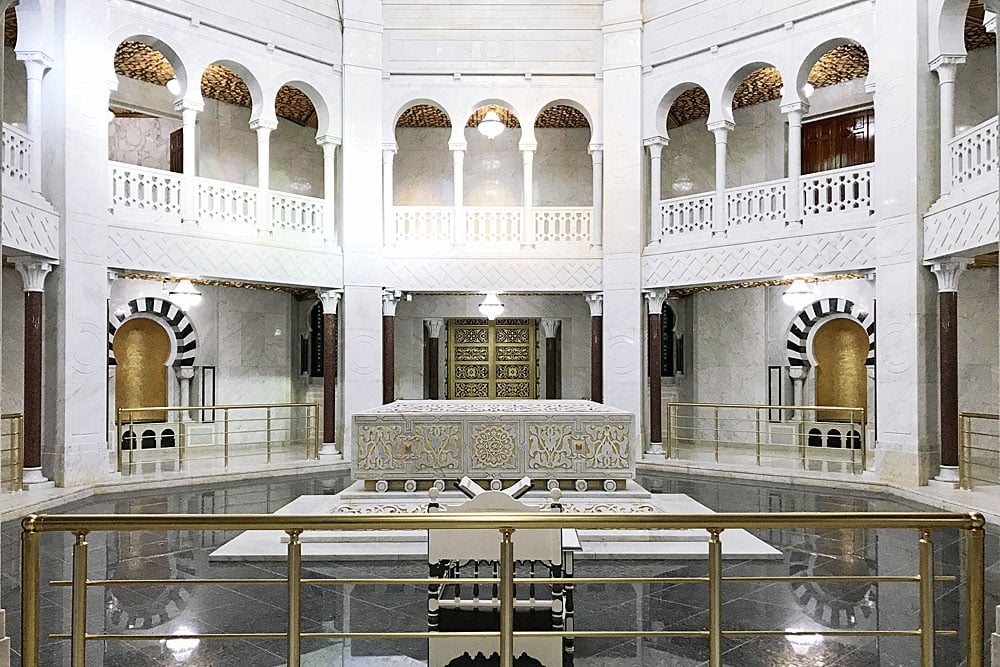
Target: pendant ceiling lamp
[(185, 295), (491, 307), (491, 126), (799, 294)]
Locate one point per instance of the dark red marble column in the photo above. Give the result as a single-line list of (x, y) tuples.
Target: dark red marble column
[(433, 358), (32, 379), (596, 304), (655, 370), (330, 343), (388, 358), (948, 359), (549, 329)]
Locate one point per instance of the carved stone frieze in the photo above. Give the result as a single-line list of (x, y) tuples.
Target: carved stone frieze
[(965, 221)]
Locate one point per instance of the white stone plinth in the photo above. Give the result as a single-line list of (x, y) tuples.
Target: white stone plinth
[(947, 478)]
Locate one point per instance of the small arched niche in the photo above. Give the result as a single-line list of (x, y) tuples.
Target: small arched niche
[(142, 349), (840, 348)]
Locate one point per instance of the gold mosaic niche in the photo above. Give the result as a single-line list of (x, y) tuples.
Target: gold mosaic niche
[(141, 348), (492, 360), (841, 347)]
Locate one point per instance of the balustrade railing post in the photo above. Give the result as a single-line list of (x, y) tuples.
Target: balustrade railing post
[(133, 444), (294, 597), (78, 622), (975, 577), (716, 434), (315, 430), (669, 424), (506, 598), (758, 437), (121, 434), (30, 574), (715, 598), (926, 599)]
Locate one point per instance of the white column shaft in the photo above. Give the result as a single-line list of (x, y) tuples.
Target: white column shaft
[(330, 191), (388, 212), (458, 159), (598, 199), (720, 217), (35, 72), (189, 194), (793, 200), (264, 178), (530, 231), (946, 88), (655, 166)]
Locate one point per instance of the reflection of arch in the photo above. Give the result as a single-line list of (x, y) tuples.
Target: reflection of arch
[(840, 347), (812, 314), (185, 340)]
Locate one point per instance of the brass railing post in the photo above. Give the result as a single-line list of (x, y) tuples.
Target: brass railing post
[(294, 597), (716, 434), (121, 434), (315, 430), (850, 440), (863, 430), (714, 598), (926, 599), (758, 437), (268, 434), (965, 442), (78, 623), (30, 574), (225, 437), (975, 577), (506, 597), (134, 443), (669, 428)]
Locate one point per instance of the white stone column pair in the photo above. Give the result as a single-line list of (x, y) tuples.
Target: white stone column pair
[(36, 64)]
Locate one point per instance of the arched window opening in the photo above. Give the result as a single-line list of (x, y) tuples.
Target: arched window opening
[(167, 438), (128, 440), (684, 173), (833, 439), (141, 348), (148, 439), (494, 175), (423, 172), (562, 165), (815, 438), (296, 159)]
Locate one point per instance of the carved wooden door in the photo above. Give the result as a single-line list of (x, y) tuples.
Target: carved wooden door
[(492, 360)]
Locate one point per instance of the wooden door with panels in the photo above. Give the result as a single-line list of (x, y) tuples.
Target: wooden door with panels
[(492, 359)]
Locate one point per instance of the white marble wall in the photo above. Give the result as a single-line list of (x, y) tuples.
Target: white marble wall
[(12, 385), (423, 175), (976, 88), (977, 341), (570, 309), (757, 147), (15, 89), (729, 346), (226, 146)]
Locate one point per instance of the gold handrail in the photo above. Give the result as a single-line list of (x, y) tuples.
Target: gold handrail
[(966, 464), (507, 526), (13, 473)]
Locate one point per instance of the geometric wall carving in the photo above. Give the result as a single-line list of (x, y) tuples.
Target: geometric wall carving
[(849, 250), (29, 223), (812, 314), (486, 273), (177, 321), (151, 250), (964, 221)]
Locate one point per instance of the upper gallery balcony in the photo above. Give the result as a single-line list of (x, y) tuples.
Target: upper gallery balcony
[(30, 224)]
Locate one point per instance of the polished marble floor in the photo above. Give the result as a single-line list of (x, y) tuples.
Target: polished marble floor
[(230, 608)]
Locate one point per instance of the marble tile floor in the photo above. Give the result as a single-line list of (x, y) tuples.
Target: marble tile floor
[(230, 608)]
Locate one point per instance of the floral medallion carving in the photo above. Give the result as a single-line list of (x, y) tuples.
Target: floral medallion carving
[(493, 446)]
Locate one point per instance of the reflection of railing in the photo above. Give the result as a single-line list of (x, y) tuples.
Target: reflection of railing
[(11, 452), (812, 436), (194, 437), (509, 527), (979, 444), (16, 155), (974, 152)]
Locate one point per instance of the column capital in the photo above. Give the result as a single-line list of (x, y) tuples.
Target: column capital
[(946, 66), (324, 139), (656, 140), (721, 127), (35, 62), (528, 146), (655, 299), (390, 297), (596, 151), (33, 272), (596, 303), (185, 105), (330, 300), (263, 124), (798, 106), (798, 372), (948, 271), (184, 372), (457, 146), (389, 148), (434, 327), (549, 326)]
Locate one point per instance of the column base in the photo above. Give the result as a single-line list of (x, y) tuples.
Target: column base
[(655, 452), (947, 478), (328, 452), (34, 480)]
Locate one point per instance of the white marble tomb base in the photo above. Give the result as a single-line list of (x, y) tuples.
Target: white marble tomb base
[(392, 545)]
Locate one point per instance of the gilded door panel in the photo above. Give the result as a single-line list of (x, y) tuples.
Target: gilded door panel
[(488, 360), (141, 348), (840, 348)]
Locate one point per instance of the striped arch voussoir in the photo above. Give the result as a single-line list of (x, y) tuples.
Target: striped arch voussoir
[(813, 314), (176, 320)]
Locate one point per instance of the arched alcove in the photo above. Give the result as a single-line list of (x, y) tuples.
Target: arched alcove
[(142, 349), (840, 347)]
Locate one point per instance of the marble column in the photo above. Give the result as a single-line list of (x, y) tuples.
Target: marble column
[(597, 224), (330, 299), (948, 272), (654, 309), (527, 165), (329, 144), (458, 180), (596, 303), (189, 117), (793, 195), (388, 212), (797, 374), (434, 328), (35, 65), (549, 328), (263, 128), (389, 300), (946, 67), (185, 374), (655, 146), (33, 272), (720, 214)]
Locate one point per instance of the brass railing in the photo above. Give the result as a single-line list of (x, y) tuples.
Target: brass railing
[(226, 434), (11, 452), (507, 525), (770, 435), (979, 449)]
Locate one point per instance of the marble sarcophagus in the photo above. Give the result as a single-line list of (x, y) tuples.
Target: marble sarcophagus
[(410, 444)]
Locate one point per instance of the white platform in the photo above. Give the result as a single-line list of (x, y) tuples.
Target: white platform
[(389, 545)]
